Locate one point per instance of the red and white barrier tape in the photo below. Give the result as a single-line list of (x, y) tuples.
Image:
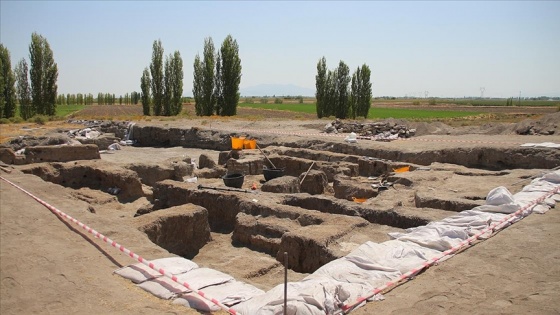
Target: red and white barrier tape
[(348, 307), (121, 248)]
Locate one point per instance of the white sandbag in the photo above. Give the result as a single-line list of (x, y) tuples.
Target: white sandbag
[(139, 272), (114, 146), (312, 296), (542, 145), (257, 304), (499, 196), (229, 294), (474, 220), (509, 208), (202, 277), (391, 255), (163, 288), (175, 265), (541, 209), (357, 271), (539, 185), (195, 301), (438, 237), (553, 177)]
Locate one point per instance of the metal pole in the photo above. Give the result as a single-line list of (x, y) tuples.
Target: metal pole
[(285, 283)]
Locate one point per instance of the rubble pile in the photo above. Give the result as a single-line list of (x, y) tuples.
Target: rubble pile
[(374, 130), (95, 128), (107, 135)]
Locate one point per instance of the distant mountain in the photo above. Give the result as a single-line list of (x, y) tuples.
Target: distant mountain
[(277, 90)]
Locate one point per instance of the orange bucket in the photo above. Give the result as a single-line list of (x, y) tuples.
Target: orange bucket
[(359, 200), (402, 169), (249, 144), (237, 143)]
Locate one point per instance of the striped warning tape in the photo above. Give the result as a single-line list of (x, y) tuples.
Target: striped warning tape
[(120, 247), (464, 244)]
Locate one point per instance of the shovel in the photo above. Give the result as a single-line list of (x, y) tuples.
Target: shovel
[(269, 161)]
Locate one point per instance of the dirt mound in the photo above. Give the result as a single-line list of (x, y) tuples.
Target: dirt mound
[(546, 125)]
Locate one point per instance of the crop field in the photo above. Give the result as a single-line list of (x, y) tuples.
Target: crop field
[(65, 110), (374, 113), (502, 102)]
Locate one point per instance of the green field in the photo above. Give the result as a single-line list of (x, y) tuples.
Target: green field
[(374, 113), (471, 101), (65, 110)]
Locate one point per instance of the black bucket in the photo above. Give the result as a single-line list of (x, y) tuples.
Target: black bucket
[(271, 173), (234, 180)]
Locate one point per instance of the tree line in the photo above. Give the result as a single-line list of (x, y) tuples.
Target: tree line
[(164, 82), (33, 87), (216, 79), (340, 95)]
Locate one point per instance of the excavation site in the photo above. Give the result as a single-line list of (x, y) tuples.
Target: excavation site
[(226, 211)]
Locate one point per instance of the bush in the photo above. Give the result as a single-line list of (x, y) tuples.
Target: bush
[(4, 121), (416, 103), (432, 101), (300, 99), (249, 100), (16, 120), (39, 119), (278, 100), (264, 100)]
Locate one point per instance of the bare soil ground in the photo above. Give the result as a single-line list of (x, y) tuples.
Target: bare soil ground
[(50, 267)]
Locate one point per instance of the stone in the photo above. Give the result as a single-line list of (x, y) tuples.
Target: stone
[(315, 182), (284, 184), (205, 161), (346, 188)]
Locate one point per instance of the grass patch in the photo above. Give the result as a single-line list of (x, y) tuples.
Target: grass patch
[(421, 114), (65, 110), (301, 108)]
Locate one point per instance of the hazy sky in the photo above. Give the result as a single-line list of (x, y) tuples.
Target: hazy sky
[(446, 48)]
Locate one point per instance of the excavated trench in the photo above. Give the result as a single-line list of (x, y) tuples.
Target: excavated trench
[(350, 195)]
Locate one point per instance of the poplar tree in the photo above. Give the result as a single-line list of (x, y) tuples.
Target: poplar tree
[(204, 83), (145, 84), (7, 87), (157, 80), (321, 87), (26, 111), (197, 87), (229, 75), (365, 91), (43, 74), (167, 87), (176, 83), (342, 94)]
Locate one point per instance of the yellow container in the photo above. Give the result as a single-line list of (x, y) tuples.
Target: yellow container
[(237, 143), (249, 144)]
